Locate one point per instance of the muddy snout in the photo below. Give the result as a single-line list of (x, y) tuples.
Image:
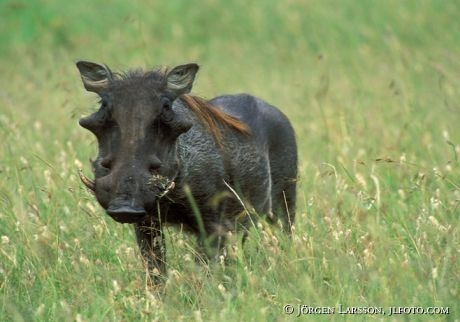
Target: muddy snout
[(126, 200), (134, 204), (131, 198), (125, 213)]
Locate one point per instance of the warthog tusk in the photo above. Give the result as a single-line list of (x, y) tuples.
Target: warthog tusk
[(87, 182)]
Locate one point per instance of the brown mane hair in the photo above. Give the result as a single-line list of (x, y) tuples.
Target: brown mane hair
[(211, 117)]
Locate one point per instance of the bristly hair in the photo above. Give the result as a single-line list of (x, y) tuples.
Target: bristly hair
[(212, 117)]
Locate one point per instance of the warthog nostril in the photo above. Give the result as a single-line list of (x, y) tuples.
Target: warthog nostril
[(107, 162)]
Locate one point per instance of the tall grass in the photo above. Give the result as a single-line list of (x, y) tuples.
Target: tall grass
[(372, 89)]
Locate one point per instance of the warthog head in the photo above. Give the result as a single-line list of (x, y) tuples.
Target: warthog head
[(136, 129)]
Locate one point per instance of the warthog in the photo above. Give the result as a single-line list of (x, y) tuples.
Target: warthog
[(166, 156)]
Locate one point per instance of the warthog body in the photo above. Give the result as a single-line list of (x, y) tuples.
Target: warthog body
[(168, 157)]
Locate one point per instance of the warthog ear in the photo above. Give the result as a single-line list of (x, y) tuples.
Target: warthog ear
[(180, 78), (95, 77)]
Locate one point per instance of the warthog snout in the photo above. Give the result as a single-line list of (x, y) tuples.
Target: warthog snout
[(124, 213)]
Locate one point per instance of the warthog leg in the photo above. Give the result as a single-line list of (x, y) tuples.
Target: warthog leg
[(151, 244)]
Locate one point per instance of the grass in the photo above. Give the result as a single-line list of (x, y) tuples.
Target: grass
[(372, 89)]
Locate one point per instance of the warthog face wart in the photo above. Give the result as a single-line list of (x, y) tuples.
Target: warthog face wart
[(136, 129)]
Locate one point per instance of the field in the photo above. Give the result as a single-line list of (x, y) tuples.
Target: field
[(373, 91)]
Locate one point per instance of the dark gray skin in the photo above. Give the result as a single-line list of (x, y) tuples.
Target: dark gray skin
[(146, 131)]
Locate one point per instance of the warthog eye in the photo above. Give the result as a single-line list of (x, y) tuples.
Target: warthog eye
[(103, 103), (166, 103), (167, 114)]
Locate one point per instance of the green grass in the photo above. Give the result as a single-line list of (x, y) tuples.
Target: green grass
[(373, 91)]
